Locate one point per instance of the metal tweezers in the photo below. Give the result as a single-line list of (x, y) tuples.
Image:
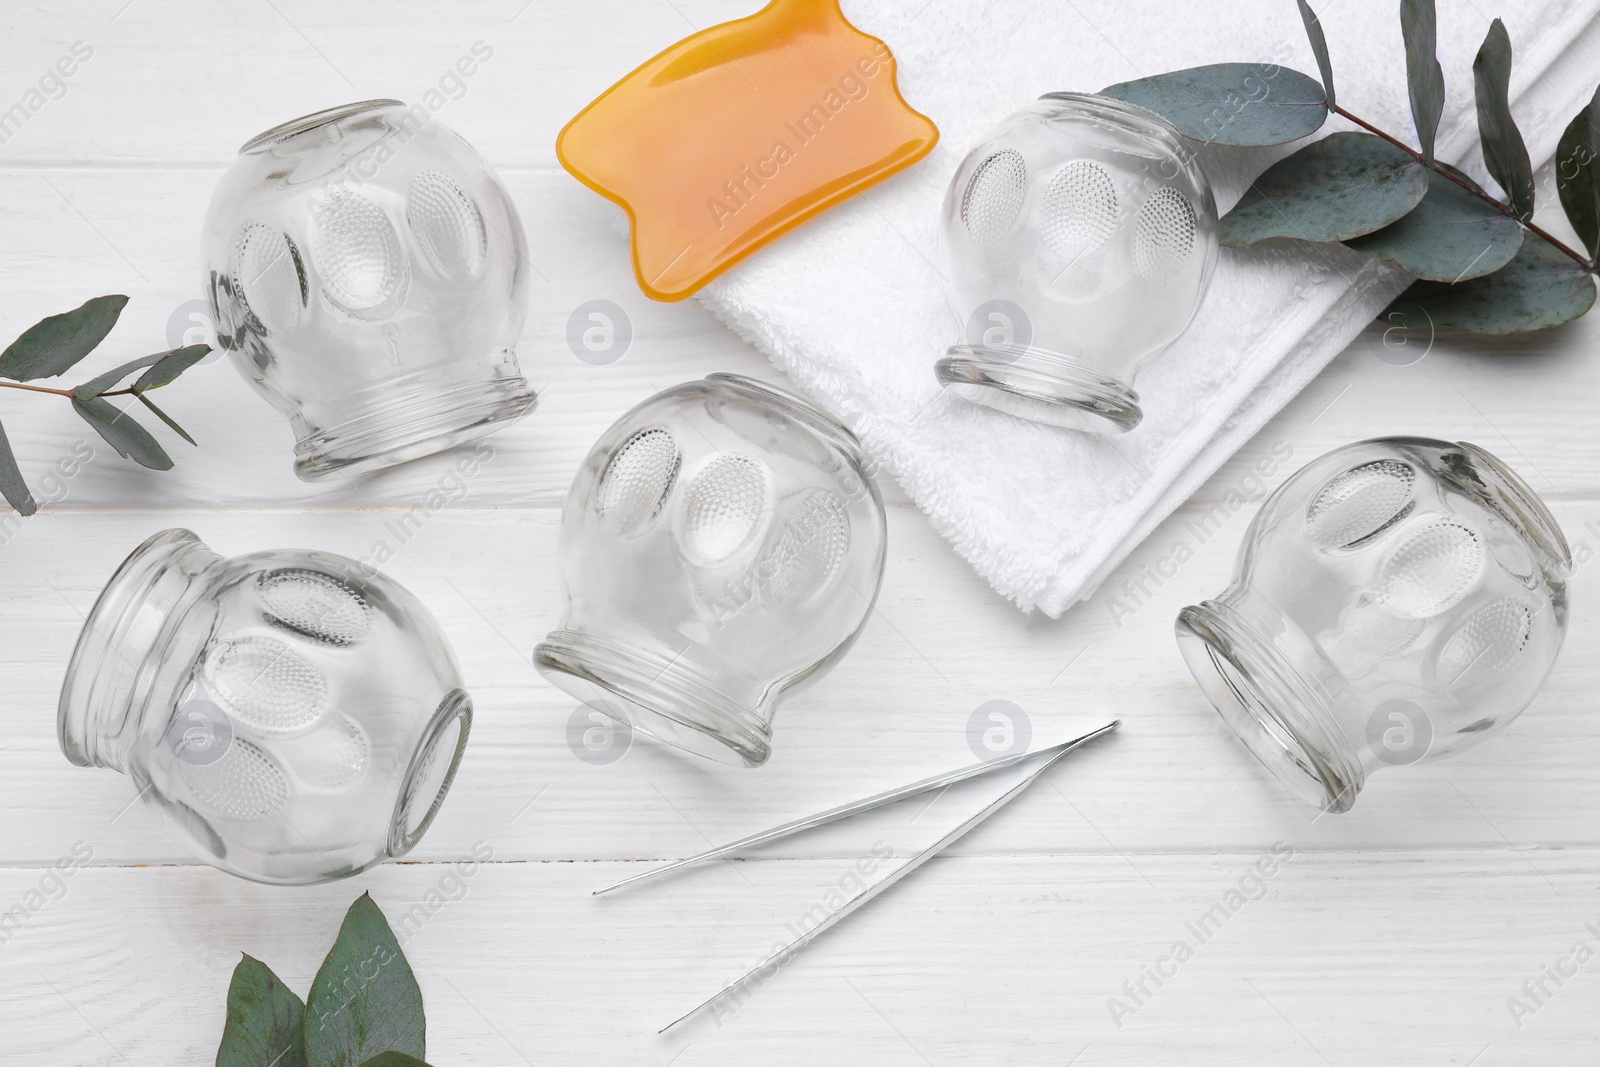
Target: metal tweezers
[(938, 781)]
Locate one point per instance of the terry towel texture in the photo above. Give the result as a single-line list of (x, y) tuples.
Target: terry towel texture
[(852, 306)]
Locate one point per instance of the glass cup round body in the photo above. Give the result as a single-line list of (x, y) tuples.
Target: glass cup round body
[(294, 716), (722, 544), (367, 273), (1396, 600), (1080, 236)]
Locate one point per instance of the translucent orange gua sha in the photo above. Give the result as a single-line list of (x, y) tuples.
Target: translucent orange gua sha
[(733, 137)]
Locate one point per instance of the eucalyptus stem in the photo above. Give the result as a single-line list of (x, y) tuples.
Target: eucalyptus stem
[(1577, 257), (59, 392)]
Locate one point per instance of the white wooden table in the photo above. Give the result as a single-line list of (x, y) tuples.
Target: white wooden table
[(1395, 935)]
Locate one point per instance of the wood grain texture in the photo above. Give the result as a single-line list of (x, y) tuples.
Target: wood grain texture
[(1342, 958), (1395, 936)]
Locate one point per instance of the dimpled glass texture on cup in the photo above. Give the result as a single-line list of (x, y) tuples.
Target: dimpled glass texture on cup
[(1080, 236), (368, 273), (294, 716), (722, 544), (1396, 600)]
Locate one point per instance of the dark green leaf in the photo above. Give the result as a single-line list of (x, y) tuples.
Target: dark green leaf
[(1503, 151), (122, 433), (365, 999), (100, 383), (12, 487), (1541, 287), (52, 346), (1449, 237), (164, 417), (394, 1059), (171, 365), (1343, 186), (1319, 48), (1578, 174), (1419, 25), (1232, 103), (266, 1021)]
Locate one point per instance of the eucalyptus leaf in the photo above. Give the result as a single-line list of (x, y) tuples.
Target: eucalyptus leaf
[(1578, 174), (1449, 237), (364, 1000), (266, 1021), (1419, 25), (1232, 103), (100, 383), (164, 417), (1504, 152), (53, 345), (12, 487), (1540, 288), (1343, 186), (394, 1059), (170, 366), (122, 433), (1319, 48)]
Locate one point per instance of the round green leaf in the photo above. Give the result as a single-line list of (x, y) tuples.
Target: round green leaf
[(1343, 186), (1232, 103), (1449, 237), (1540, 288)]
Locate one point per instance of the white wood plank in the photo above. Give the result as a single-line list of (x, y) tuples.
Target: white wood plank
[(184, 81), (1345, 958), (897, 708)]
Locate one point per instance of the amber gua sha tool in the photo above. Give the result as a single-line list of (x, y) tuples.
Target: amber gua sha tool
[(734, 136)]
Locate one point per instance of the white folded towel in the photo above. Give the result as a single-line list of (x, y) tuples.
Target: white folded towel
[(851, 305)]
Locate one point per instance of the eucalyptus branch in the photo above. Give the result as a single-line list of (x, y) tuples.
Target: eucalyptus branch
[(1474, 266), (1576, 256), (55, 345)]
